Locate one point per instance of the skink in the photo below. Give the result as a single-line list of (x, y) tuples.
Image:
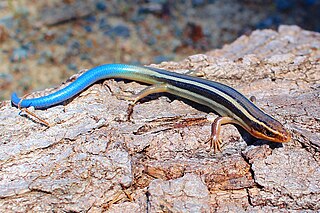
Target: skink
[(232, 106)]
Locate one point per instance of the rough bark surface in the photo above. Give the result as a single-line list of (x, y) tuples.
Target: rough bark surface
[(93, 159)]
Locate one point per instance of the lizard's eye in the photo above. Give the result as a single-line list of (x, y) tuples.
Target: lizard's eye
[(268, 133)]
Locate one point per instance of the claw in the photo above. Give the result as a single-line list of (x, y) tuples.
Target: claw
[(215, 143), (214, 139)]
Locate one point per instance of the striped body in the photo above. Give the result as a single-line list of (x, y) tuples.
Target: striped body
[(224, 100)]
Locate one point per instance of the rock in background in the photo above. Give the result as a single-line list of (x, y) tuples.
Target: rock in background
[(42, 43)]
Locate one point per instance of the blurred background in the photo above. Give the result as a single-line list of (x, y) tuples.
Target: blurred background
[(42, 43)]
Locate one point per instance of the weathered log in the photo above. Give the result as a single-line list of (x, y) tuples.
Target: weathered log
[(94, 159)]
